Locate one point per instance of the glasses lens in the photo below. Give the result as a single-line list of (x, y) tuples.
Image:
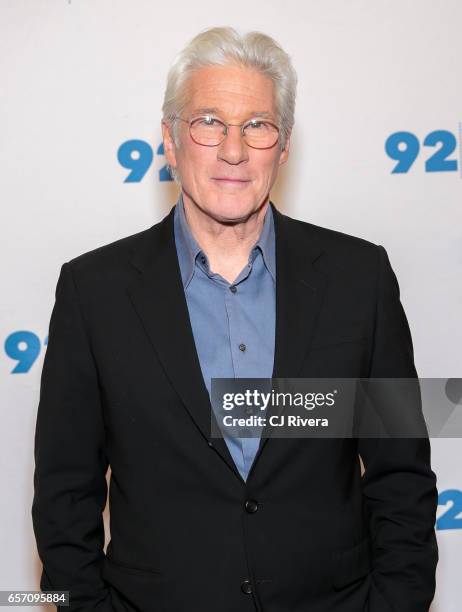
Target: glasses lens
[(261, 134), (207, 131)]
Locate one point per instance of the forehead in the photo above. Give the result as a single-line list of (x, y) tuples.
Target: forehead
[(230, 90)]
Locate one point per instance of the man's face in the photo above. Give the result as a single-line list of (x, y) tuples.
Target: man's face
[(234, 94)]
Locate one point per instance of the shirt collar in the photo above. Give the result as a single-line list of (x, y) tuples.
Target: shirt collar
[(186, 245), (188, 248)]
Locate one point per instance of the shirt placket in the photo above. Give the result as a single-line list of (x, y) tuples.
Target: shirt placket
[(239, 349)]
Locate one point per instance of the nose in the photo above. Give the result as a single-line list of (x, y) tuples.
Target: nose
[(233, 149)]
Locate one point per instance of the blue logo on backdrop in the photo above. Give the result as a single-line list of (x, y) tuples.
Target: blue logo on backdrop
[(24, 348), (405, 148), (137, 156), (450, 519)]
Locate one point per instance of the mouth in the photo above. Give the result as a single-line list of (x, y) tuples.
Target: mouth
[(229, 180)]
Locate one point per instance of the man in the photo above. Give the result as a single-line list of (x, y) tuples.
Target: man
[(226, 286)]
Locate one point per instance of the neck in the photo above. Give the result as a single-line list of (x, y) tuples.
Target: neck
[(227, 245)]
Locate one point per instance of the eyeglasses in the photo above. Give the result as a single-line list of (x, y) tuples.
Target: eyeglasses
[(210, 131)]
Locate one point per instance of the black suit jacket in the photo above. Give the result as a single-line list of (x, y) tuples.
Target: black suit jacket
[(122, 386)]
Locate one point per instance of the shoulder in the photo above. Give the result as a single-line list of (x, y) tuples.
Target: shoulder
[(115, 256), (324, 235), (108, 267), (110, 253), (339, 248)]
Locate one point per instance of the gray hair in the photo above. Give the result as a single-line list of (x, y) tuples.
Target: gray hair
[(225, 46)]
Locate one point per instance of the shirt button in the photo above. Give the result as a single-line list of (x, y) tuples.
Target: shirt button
[(251, 506), (233, 289), (246, 587), (203, 259), (242, 347)]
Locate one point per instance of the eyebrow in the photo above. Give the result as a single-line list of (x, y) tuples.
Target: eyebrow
[(216, 111)]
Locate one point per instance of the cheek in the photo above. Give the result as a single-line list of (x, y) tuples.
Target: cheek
[(268, 168), (196, 163)]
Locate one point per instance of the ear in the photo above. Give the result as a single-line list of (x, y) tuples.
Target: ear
[(285, 152), (169, 144)]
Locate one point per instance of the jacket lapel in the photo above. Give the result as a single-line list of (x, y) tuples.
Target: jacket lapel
[(159, 299), (300, 289)]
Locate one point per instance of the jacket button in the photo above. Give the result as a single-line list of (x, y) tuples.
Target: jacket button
[(246, 587), (251, 506)]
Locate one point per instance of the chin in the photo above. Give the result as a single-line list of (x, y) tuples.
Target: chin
[(235, 208), (232, 211)]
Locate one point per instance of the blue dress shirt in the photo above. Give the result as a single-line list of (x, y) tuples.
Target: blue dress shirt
[(233, 323)]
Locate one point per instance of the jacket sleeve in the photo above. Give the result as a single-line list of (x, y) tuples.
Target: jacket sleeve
[(399, 486), (70, 487)]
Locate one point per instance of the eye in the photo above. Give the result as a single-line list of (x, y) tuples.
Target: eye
[(255, 124), (208, 120)]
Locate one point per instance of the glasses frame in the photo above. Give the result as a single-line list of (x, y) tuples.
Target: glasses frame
[(227, 125)]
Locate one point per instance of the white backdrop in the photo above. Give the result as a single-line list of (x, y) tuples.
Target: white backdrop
[(81, 77)]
